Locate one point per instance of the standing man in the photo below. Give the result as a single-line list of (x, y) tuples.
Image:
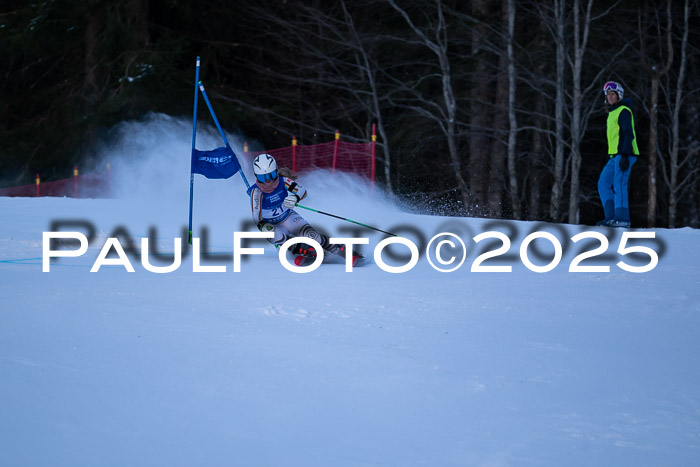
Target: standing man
[(623, 152)]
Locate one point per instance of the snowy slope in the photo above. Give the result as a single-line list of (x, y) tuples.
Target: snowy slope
[(266, 367)]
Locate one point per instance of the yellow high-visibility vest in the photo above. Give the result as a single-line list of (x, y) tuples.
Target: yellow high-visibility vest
[(614, 132)]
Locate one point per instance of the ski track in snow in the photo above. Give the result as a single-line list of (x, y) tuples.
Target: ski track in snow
[(267, 367), (361, 368)]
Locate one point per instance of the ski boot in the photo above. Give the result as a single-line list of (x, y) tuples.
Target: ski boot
[(356, 256), (303, 254), (613, 223)]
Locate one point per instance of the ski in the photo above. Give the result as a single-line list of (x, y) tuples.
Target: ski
[(301, 260), (357, 259)]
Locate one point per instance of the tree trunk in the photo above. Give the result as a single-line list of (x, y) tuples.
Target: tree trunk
[(366, 64), (579, 49), (449, 102), (653, 120), (499, 165), (675, 123), (581, 34), (451, 109), (481, 90), (656, 75), (512, 122), (535, 179), (558, 181)]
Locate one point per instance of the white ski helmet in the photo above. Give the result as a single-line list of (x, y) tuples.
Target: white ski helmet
[(265, 168), (613, 86)]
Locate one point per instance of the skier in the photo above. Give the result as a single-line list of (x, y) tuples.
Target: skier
[(623, 152), (272, 200)]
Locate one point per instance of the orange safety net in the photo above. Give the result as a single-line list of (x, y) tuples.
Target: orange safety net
[(353, 158), (338, 155), (92, 185)]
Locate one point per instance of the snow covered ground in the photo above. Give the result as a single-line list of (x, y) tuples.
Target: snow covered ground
[(332, 368)]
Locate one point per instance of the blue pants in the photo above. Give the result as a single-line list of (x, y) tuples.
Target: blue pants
[(612, 188)]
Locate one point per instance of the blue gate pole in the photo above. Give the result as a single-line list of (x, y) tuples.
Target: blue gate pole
[(194, 137), (221, 132)]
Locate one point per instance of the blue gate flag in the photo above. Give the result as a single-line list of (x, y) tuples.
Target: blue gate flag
[(217, 163)]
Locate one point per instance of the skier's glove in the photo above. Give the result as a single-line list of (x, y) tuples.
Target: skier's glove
[(624, 162), (265, 227), (290, 201)]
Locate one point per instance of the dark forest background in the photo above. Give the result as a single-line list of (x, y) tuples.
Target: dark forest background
[(483, 108)]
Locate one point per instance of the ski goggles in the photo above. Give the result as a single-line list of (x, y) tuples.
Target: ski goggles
[(610, 86), (268, 177)]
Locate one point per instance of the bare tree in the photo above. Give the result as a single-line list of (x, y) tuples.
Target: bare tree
[(557, 21), (675, 185), (445, 115), (540, 120), (512, 121), (656, 72), (329, 53), (560, 41), (481, 89), (580, 43), (368, 67), (498, 169)]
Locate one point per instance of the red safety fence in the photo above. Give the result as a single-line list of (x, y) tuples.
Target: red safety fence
[(91, 185), (338, 155), (356, 158)]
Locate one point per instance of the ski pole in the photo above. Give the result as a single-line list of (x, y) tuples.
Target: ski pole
[(348, 220)]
